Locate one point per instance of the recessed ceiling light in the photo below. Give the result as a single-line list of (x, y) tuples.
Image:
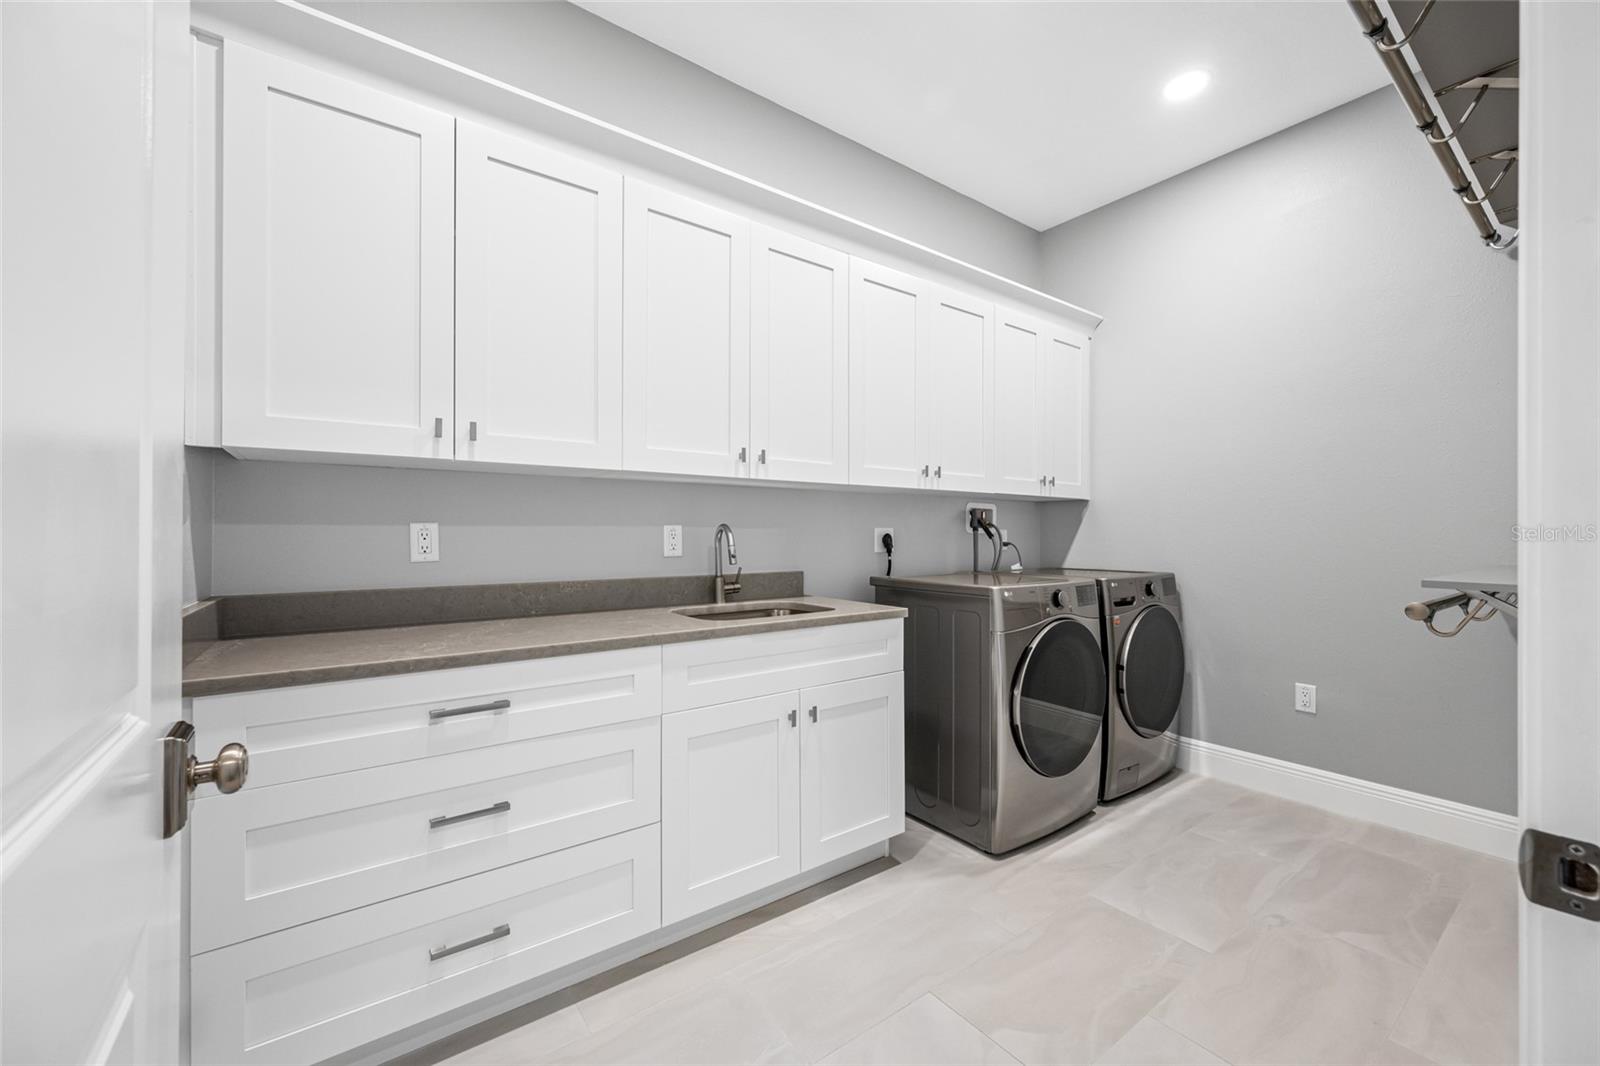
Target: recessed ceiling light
[(1187, 86)]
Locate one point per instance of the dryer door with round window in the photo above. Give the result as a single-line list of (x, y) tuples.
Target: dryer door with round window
[(1059, 697), (1150, 671)]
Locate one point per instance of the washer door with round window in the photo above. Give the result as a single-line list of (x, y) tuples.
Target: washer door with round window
[(1150, 671), (1058, 700)]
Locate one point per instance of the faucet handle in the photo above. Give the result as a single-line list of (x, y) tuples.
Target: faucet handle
[(735, 585)]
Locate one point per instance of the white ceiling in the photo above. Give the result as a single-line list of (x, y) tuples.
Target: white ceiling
[(1043, 111)]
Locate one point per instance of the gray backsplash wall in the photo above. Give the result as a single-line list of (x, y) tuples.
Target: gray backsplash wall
[(197, 521), (1305, 401), (283, 527)]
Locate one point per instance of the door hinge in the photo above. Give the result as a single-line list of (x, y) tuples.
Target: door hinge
[(1560, 873)]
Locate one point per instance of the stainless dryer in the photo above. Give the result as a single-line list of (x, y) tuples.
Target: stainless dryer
[(1142, 631), (1005, 692)]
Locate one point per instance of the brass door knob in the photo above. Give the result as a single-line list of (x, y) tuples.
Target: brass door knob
[(227, 771)]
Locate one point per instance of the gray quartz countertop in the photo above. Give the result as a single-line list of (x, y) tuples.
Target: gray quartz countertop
[(214, 667)]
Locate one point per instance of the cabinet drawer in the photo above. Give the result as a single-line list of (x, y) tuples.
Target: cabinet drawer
[(306, 993), (315, 730), (738, 668), (273, 857)]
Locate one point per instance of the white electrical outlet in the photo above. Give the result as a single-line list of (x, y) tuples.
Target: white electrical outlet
[(671, 542), (1305, 698), (424, 542), (877, 538)]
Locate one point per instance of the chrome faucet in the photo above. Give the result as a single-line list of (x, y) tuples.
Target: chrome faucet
[(725, 587)]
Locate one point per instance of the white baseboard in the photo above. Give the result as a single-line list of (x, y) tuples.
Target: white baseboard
[(1489, 832)]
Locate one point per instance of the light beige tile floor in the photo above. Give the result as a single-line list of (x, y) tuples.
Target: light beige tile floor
[(1191, 923)]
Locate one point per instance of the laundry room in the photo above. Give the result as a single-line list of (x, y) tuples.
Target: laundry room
[(685, 532)]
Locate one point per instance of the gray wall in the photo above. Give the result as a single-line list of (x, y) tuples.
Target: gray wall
[(1304, 401), (197, 523), (574, 58), (282, 527)]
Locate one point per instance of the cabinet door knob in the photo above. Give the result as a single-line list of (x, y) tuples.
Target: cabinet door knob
[(813, 713), (438, 428), (794, 718), (761, 457), (472, 432), (938, 472), (1052, 481), (742, 453), (924, 469)]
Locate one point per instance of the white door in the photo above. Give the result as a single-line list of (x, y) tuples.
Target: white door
[(686, 336), (1019, 428), (852, 766), (337, 211), (959, 389), (890, 319), (1065, 411), (94, 139), (1559, 491), (730, 794), (799, 359), (538, 305)]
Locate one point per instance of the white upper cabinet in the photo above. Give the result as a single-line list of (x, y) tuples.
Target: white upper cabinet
[(1065, 402), (799, 359), (337, 294), (890, 318), (538, 305), (559, 314), (1020, 432), (955, 386), (686, 336)]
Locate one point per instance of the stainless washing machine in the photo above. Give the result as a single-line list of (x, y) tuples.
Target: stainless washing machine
[(1142, 632), (1005, 692)]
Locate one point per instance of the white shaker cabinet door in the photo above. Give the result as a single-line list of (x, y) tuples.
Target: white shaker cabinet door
[(799, 359), (686, 336), (890, 319), (959, 391), (1020, 431), (730, 819), (538, 305), (1066, 414), (337, 264), (852, 766)]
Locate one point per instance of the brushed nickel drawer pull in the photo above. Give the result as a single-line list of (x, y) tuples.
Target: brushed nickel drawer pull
[(476, 708), (499, 932), (454, 819), (813, 712)]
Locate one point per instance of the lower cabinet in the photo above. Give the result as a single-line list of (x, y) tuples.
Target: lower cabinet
[(758, 790), (305, 993), (410, 845), (852, 766)]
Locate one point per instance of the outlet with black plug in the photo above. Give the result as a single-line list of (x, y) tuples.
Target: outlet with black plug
[(883, 541)]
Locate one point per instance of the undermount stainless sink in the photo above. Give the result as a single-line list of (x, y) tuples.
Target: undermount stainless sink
[(743, 612)]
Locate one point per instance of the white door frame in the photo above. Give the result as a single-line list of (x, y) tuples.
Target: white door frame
[(1559, 491)]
